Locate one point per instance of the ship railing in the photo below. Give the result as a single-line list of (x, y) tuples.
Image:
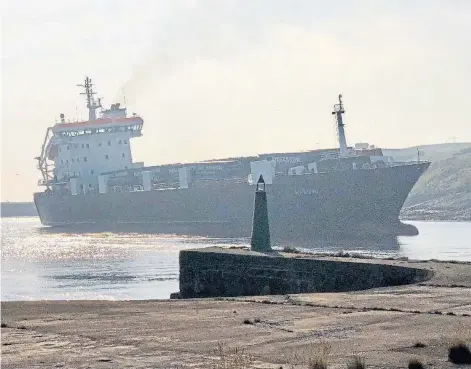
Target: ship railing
[(408, 163), (219, 181), (171, 185), (50, 182), (126, 188), (165, 185), (136, 188)]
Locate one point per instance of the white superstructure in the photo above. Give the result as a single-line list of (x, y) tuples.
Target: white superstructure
[(75, 154)]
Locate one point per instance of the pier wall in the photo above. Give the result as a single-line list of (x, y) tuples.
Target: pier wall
[(216, 272)]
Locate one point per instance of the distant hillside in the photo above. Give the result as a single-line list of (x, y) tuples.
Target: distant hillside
[(428, 152), (444, 191), (18, 209)]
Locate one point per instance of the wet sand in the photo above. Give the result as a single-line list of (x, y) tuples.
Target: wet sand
[(381, 325)]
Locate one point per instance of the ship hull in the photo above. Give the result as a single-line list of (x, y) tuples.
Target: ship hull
[(344, 203)]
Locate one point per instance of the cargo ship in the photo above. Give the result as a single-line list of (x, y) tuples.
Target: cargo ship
[(91, 180)]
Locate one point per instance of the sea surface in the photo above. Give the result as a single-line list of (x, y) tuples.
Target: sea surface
[(41, 263)]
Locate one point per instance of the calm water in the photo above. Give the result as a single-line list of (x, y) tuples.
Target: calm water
[(38, 263)]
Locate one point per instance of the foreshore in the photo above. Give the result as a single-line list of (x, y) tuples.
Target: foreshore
[(381, 325)]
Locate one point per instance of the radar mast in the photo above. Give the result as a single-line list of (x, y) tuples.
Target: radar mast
[(92, 104), (338, 111)]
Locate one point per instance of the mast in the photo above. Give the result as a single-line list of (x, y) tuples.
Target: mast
[(92, 105), (338, 111)]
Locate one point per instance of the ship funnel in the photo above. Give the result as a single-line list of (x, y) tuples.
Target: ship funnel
[(338, 111)]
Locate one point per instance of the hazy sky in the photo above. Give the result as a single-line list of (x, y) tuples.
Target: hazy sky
[(235, 77)]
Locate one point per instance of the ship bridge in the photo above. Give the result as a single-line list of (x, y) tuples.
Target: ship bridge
[(132, 125), (74, 154)]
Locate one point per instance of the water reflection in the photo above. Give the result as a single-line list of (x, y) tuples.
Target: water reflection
[(371, 245), (57, 263), (376, 244), (230, 234)]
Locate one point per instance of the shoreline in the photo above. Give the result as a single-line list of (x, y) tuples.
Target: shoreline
[(435, 220), (382, 324)]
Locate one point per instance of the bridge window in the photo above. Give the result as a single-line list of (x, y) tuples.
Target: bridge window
[(107, 157), (88, 146), (68, 147), (125, 142), (120, 142), (92, 172), (62, 161), (83, 146), (78, 160), (123, 155), (109, 143), (73, 160), (67, 161), (99, 144), (85, 158)]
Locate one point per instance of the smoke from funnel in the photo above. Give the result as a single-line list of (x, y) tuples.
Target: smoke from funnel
[(142, 78), (191, 33)]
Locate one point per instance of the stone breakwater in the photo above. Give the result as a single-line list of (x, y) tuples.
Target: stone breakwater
[(217, 272)]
